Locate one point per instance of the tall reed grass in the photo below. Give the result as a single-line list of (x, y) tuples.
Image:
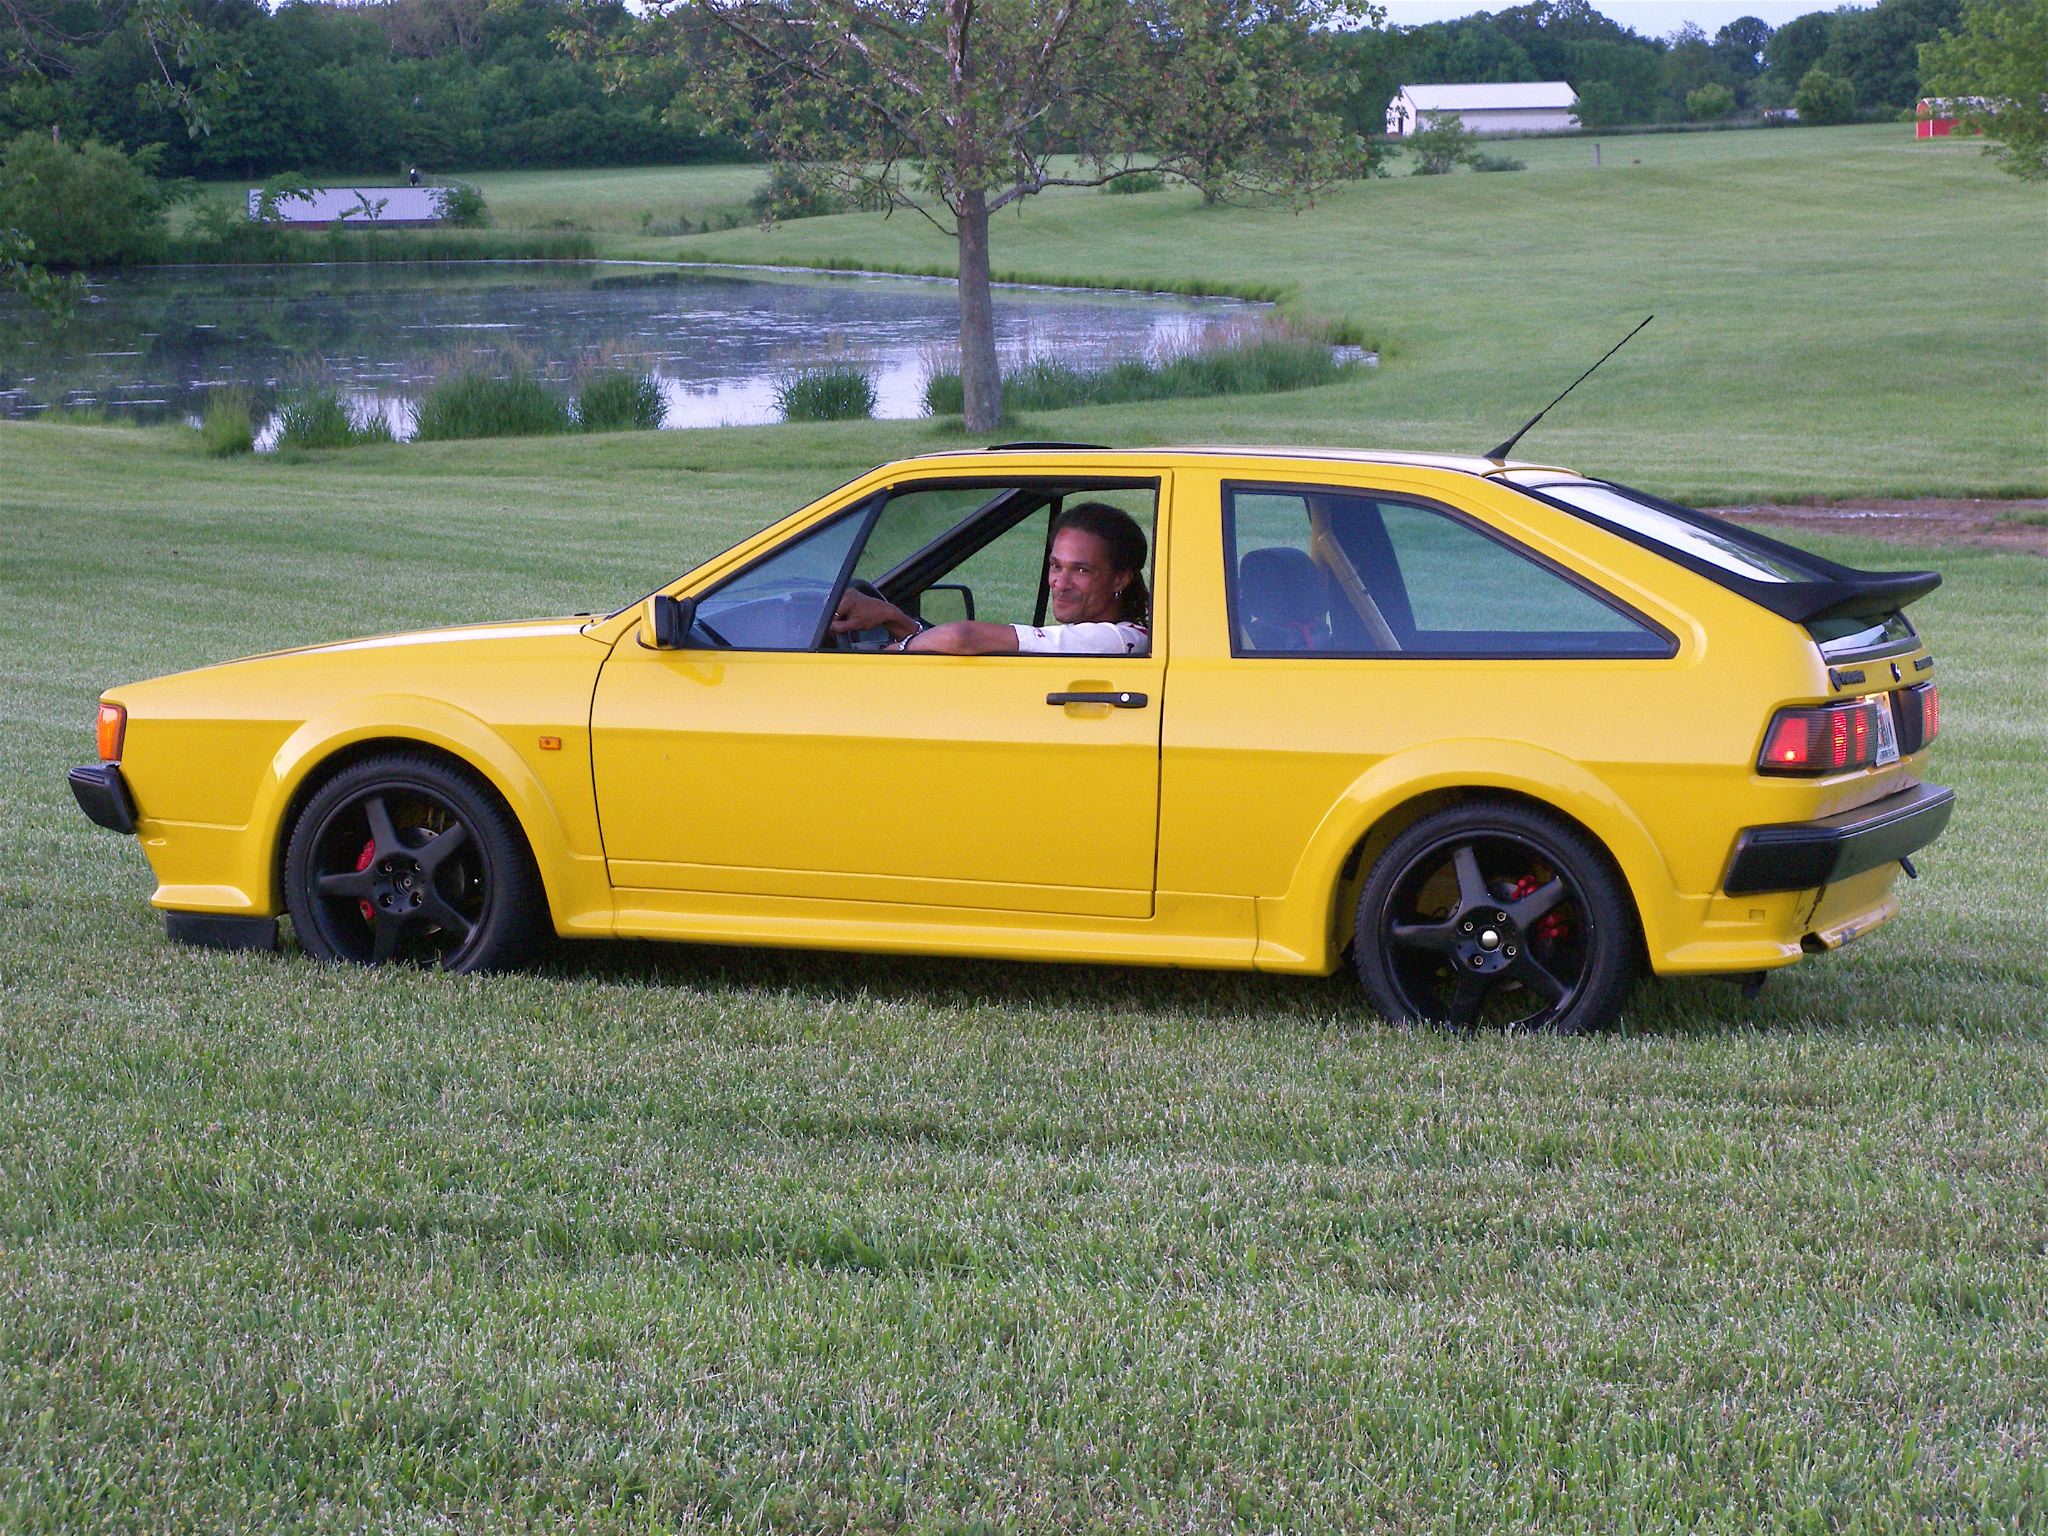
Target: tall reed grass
[(475, 402), (228, 425), (620, 400), (1262, 359), (825, 392), (316, 416)]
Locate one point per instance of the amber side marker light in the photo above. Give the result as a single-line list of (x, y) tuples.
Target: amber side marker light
[(113, 725)]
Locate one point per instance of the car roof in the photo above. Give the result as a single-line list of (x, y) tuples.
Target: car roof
[(1468, 464)]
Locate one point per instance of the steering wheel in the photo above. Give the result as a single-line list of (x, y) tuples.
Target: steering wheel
[(863, 639)]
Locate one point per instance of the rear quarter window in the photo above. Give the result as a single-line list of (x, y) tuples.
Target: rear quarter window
[(1338, 573)]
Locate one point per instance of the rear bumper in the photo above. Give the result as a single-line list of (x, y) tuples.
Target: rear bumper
[(1804, 855), (103, 795)]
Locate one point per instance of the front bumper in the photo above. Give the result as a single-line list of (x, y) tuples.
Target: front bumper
[(1805, 855), (103, 795)]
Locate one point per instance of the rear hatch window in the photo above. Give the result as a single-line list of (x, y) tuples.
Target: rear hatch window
[(1848, 612)]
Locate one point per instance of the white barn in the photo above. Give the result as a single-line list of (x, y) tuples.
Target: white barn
[(1537, 106)]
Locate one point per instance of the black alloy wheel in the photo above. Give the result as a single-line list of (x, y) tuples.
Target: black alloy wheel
[(402, 858), (1495, 916)]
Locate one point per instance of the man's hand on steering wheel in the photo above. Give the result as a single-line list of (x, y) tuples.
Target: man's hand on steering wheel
[(866, 620)]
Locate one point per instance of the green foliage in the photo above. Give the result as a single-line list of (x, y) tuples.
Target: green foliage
[(796, 192), (53, 295), (1496, 163), (620, 400), (462, 205), (80, 206), (1877, 49), (1441, 147), (1823, 98), (228, 426), (314, 415), (1600, 105), (1136, 182), (475, 402), (1265, 360), (825, 392), (1710, 103), (2000, 56)]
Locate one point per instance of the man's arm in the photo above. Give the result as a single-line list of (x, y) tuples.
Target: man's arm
[(967, 637)]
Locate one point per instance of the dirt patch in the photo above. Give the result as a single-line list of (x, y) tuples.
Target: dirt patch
[(1929, 521)]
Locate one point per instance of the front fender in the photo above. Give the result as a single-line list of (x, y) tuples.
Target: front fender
[(1302, 931), (551, 799)]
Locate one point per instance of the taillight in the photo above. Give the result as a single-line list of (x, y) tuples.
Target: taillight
[(1919, 716), (113, 725), (1832, 738)]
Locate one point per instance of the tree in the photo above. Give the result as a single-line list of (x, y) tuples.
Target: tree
[(1441, 147), (1742, 42), (77, 207), (2000, 58), (958, 109), (193, 71), (1797, 46), (1878, 50), (1599, 105), (1824, 98), (1710, 103)]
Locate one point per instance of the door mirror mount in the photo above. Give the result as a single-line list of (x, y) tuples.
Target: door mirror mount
[(665, 622)]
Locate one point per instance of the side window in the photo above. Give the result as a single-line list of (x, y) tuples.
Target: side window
[(950, 551), (1001, 580), (783, 602), (1355, 575)]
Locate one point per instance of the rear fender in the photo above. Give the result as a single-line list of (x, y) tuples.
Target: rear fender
[(1304, 931)]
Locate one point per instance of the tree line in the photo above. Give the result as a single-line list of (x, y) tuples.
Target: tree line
[(362, 90), (1623, 77), (368, 88)]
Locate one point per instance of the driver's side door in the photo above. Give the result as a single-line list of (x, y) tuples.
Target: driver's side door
[(762, 761)]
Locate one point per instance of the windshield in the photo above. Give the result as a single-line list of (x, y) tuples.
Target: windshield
[(1726, 548)]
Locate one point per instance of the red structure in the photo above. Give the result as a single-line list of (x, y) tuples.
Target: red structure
[(1935, 117)]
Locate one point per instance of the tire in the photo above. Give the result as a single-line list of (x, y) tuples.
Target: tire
[(402, 858), (1495, 916)]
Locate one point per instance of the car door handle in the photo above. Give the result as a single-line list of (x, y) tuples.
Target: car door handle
[(1114, 700)]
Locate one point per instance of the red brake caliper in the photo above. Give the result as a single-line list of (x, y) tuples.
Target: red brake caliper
[(1550, 927), (362, 863)]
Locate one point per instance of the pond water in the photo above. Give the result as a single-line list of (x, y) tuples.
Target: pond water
[(153, 343)]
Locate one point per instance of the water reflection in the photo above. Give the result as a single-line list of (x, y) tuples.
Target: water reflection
[(154, 343)]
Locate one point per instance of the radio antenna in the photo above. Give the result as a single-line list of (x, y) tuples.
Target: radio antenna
[(1500, 454)]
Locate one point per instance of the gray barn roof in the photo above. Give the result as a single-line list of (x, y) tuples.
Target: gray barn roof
[(1521, 97)]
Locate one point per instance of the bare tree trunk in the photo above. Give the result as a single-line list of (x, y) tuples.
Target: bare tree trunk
[(981, 382)]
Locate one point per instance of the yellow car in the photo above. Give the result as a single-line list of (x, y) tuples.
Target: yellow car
[(1500, 733)]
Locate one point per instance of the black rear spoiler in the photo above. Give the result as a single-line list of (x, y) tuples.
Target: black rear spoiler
[(1853, 595)]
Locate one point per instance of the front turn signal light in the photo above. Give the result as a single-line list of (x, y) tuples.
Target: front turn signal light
[(113, 725)]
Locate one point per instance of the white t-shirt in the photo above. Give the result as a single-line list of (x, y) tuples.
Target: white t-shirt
[(1100, 639)]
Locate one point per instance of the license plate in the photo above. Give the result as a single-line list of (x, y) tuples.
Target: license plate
[(1887, 733)]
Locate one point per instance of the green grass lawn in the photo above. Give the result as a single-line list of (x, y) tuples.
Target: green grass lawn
[(668, 1238), (675, 1238)]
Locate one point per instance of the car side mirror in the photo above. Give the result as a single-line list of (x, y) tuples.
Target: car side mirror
[(665, 622), (945, 602)]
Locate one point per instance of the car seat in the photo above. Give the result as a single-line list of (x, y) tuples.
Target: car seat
[(1283, 600)]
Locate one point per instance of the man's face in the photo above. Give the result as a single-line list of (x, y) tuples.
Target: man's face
[(1081, 580)]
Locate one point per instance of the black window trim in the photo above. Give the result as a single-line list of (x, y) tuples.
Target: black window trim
[(1305, 489)]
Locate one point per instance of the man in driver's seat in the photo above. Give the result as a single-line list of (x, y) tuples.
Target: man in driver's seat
[(1094, 578)]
